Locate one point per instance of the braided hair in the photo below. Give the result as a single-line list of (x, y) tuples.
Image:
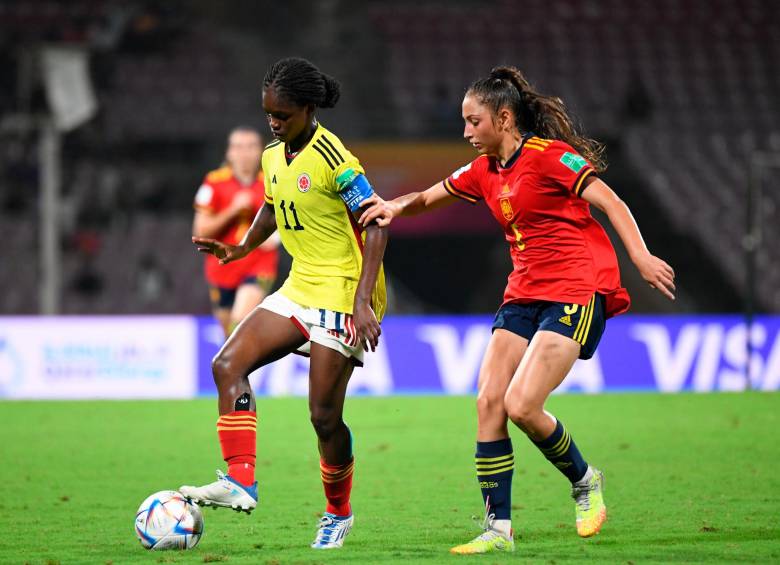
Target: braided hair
[(546, 116), (301, 82)]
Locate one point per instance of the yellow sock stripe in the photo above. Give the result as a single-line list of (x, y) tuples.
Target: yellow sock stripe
[(335, 477), (236, 428), (481, 466), (586, 331), (324, 467), (345, 471), (336, 474), (494, 459), (560, 448), (557, 445), (583, 319), (331, 481), (236, 422), (248, 415), (495, 471)]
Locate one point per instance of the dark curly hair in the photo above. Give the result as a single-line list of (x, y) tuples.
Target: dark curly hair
[(300, 81), (546, 116)]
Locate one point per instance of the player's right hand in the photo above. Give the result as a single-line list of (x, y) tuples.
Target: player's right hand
[(222, 251), (657, 273), (377, 209)]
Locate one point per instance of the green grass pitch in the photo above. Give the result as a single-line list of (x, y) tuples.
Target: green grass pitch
[(689, 478)]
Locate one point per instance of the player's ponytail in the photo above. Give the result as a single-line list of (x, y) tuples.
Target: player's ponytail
[(302, 83), (546, 116), (332, 91)]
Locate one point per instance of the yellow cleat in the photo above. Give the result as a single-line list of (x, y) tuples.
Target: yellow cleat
[(589, 503), (488, 541)]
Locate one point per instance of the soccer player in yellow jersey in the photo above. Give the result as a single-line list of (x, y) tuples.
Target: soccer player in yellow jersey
[(328, 308)]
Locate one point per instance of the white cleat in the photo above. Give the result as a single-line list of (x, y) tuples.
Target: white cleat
[(332, 531), (225, 492)]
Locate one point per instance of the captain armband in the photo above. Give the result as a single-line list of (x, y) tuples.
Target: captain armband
[(353, 188)]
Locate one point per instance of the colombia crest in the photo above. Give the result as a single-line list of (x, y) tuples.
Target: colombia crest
[(304, 182)]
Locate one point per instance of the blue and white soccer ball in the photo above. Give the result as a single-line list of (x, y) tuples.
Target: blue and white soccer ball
[(167, 520)]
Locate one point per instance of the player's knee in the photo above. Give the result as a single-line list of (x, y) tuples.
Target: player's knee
[(223, 370), (490, 405), (520, 411), (325, 422)]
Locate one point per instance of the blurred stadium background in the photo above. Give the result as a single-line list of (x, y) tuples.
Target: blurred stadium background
[(112, 111), (687, 103)]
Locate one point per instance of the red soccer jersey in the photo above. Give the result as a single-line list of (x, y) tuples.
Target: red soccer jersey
[(214, 195), (560, 253)]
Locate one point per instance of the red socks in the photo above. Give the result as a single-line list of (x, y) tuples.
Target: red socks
[(238, 437), (337, 480)]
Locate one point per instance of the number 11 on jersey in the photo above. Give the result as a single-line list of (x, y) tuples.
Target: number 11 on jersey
[(287, 226)]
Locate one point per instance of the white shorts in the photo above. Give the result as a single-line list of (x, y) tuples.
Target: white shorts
[(326, 327)]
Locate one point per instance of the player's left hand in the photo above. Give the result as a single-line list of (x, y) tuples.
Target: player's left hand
[(658, 274), (367, 327)]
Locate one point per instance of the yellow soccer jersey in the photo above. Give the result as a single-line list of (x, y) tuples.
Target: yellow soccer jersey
[(316, 227)]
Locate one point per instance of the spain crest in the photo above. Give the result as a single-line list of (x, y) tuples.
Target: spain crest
[(506, 208)]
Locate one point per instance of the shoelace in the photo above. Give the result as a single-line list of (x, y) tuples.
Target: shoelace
[(486, 525), (325, 521), (580, 495), (222, 477)]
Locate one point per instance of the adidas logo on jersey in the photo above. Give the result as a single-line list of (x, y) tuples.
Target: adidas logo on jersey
[(273, 180), (565, 320)]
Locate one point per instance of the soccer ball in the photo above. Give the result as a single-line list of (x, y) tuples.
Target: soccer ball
[(167, 520)]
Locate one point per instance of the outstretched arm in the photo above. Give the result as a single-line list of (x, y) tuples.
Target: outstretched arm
[(262, 227), (655, 271), (383, 211)]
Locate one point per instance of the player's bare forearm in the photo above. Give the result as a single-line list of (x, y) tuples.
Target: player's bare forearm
[(418, 202), (654, 270), (409, 204), (373, 252), (261, 229), (625, 225), (211, 225), (382, 212), (604, 198)]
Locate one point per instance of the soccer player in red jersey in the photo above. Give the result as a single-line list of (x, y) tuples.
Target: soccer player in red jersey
[(539, 177), (225, 205)]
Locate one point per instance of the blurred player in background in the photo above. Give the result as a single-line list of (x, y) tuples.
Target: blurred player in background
[(538, 176), (328, 308), (225, 205)]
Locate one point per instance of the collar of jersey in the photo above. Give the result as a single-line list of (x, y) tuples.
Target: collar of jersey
[(301, 150), (516, 155)]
